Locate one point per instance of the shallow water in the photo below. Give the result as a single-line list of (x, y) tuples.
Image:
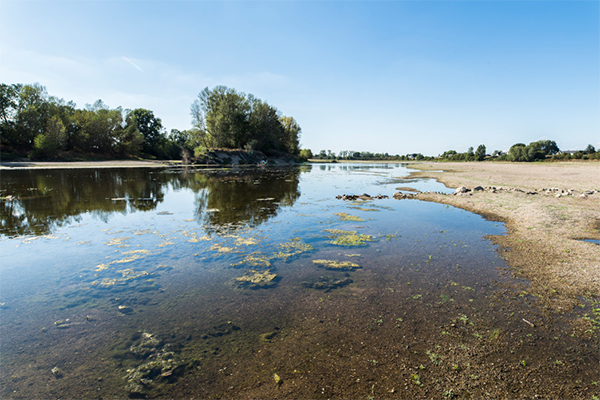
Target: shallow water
[(127, 281)]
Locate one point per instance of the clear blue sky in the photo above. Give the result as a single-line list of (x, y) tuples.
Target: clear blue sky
[(394, 76)]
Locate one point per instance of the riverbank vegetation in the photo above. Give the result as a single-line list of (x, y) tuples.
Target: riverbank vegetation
[(36, 125), (540, 150)]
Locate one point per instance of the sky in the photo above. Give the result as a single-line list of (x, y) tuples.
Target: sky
[(391, 77)]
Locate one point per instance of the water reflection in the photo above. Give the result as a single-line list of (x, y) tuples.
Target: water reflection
[(244, 198), (47, 200)]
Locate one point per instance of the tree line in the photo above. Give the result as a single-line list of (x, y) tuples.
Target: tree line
[(519, 152), (36, 124)]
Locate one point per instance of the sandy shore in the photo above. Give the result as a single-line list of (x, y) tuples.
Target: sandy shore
[(544, 231), (82, 164)]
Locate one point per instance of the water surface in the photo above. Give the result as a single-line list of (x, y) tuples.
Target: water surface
[(147, 283)]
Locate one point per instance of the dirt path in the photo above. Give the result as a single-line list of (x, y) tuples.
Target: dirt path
[(545, 231)]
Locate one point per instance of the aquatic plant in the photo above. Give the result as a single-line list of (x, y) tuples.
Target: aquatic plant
[(338, 265), (291, 248), (255, 279), (347, 238), (255, 259), (347, 217)]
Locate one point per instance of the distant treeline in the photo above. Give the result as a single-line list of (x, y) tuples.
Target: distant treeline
[(35, 124), (534, 151)]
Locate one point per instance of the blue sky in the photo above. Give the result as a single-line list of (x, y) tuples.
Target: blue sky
[(393, 76)]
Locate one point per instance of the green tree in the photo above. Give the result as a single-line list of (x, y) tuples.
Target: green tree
[(480, 153), (590, 149), (291, 135), (306, 154), (152, 130), (518, 152), (222, 115)]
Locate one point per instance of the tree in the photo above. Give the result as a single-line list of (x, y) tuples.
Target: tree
[(480, 153), (223, 117), (306, 154), (518, 152), (590, 149), (291, 135), (151, 129)]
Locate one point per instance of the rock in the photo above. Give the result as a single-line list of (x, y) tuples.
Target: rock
[(477, 188), (400, 196), (558, 195), (583, 195), (462, 189)]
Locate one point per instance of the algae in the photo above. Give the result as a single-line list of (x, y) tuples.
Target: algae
[(337, 265), (255, 259), (221, 248), (347, 217), (348, 238), (255, 279), (291, 248)]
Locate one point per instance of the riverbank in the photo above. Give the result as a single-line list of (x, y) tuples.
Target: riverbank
[(11, 165), (545, 232)]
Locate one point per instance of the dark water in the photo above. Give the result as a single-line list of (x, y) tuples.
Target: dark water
[(138, 283)]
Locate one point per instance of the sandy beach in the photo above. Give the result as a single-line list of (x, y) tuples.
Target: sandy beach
[(545, 230), (82, 164)]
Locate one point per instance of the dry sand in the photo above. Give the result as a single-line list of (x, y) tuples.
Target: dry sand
[(81, 164), (544, 231)]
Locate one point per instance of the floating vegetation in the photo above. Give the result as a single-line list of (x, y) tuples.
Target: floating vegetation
[(352, 255), (210, 210), (337, 265), (196, 239), (221, 249), (255, 259), (87, 242), (366, 209), (347, 238), (245, 241), (166, 243), (118, 241), (101, 267), (127, 275), (127, 260), (142, 232), (255, 279), (347, 217), (294, 247), (326, 283), (165, 213)]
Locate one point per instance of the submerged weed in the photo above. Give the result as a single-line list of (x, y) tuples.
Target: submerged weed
[(348, 238), (347, 217), (337, 265)]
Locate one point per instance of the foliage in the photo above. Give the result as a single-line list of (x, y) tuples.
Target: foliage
[(225, 118), (480, 153)]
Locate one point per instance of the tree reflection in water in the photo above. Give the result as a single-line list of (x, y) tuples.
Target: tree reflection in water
[(49, 199)]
